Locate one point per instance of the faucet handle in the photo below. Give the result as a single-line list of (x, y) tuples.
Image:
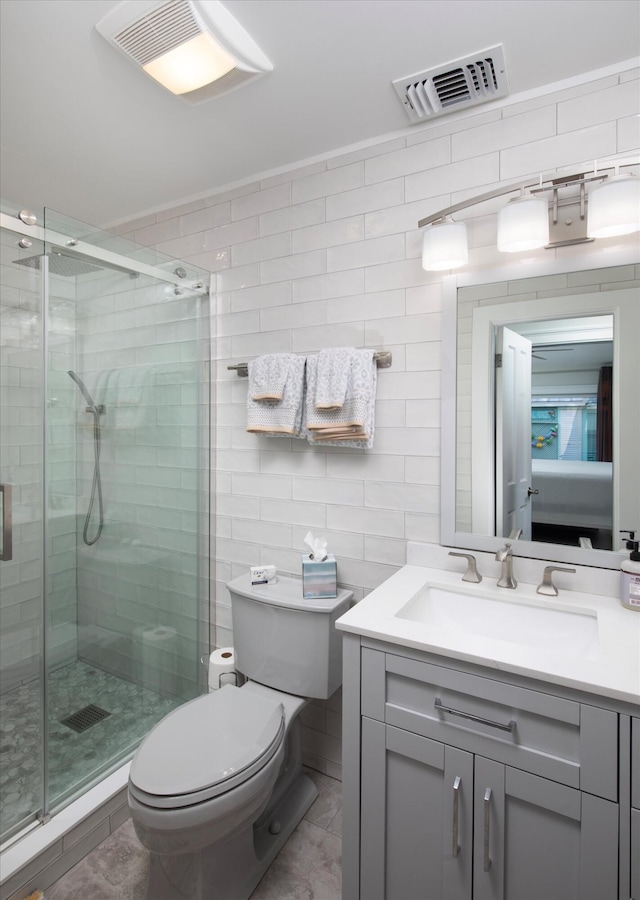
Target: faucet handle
[(472, 573), (547, 586)]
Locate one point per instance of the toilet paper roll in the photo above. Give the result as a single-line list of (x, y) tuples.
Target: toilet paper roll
[(222, 668), (155, 655)]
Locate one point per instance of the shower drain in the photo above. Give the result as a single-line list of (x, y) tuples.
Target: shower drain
[(85, 718)]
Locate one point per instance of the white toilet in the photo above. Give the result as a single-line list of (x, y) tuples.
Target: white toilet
[(216, 788)]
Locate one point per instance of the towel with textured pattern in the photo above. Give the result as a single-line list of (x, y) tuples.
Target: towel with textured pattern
[(279, 417), (268, 375), (334, 365), (353, 424)]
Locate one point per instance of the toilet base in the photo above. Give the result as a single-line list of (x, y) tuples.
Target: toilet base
[(231, 870)]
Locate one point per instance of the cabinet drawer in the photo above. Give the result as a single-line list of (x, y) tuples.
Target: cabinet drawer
[(569, 742)]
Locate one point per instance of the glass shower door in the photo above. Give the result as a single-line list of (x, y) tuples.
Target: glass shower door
[(22, 716), (104, 454), (125, 491)]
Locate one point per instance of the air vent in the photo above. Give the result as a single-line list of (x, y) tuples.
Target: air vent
[(466, 82), (159, 31)]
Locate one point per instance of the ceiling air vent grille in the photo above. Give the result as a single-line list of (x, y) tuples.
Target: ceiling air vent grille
[(465, 82), (159, 31)]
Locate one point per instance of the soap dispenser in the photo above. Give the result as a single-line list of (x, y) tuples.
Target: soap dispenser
[(630, 575)]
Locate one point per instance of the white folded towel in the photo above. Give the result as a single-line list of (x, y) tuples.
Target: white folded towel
[(268, 375), (353, 424), (279, 417), (333, 377)]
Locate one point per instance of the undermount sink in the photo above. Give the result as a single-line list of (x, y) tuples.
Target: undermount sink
[(475, 612)]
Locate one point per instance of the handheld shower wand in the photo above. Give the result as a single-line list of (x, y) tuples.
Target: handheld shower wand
[(83, 388), (96, 412)]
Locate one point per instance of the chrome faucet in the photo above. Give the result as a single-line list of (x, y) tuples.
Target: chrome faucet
[(547, 586), (505, 557), (472, 573)]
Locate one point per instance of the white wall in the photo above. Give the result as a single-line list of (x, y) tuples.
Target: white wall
[(328, 255)]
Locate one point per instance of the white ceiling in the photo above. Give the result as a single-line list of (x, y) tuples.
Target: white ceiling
[(84, 132)]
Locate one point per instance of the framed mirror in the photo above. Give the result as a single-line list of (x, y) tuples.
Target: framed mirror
[(541, 409)]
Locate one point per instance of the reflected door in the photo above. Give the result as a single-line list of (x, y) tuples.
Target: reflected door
[(513, 441)]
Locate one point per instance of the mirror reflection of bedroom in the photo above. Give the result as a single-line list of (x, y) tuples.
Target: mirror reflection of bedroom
[(571, 428)]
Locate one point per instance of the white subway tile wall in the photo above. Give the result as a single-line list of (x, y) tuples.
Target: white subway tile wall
[(328, 255), (142, 573), (21, 466)]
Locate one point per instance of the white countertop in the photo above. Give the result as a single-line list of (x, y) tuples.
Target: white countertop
[(611, 667)]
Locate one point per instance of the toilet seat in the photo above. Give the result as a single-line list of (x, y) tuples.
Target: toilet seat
[(206, 747)]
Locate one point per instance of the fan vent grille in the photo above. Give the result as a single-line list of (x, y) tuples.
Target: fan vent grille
[(435, 92), (159, 31)]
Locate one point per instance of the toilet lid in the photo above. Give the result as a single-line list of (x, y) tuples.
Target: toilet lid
[(206, 742)]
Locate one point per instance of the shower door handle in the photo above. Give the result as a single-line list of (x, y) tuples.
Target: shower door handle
[(6, 551)]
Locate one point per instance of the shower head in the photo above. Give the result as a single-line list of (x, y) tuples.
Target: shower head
[(83, 388), (60, 264)]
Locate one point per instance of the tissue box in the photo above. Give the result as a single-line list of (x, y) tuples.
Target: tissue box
[(319, 578)]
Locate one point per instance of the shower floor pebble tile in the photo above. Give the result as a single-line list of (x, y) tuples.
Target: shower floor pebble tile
[(73, 757), (309, 866)]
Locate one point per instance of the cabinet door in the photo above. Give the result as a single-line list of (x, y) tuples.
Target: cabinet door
[(635, 854), (416, 814), (535, 838)]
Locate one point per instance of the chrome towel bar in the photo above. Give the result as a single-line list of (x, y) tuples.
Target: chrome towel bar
[(383, 360)]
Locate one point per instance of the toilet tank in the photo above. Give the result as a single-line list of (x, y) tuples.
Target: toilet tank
[(284, 641)]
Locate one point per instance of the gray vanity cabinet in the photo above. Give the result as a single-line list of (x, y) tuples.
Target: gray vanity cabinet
[(475, 789), (635, 809), (416, 813), (539, 839)]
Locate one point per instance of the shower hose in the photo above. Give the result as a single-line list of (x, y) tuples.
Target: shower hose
[(96, 487)]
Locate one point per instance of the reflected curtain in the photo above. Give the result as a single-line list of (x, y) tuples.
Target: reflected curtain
[(604, 415)]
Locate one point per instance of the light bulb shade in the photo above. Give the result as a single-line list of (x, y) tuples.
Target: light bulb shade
[(614, 207), (523, 224), (444, 246), (191, 65)]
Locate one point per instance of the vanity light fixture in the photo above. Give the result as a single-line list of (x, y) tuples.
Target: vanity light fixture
[(614, 207), (523, 224), (194, 48), (444, 245), (531, 220)]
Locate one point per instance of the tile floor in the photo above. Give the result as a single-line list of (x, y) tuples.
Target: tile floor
[(309, 866), (74, 759)]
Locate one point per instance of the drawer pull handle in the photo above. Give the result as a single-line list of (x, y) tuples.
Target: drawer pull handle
[(486, 864), (464, 715), (456, 793)]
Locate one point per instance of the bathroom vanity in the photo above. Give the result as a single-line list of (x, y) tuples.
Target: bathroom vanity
[(488, 743)]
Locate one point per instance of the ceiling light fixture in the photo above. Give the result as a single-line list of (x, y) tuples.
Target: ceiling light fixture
[(193, 48), (531, 221)]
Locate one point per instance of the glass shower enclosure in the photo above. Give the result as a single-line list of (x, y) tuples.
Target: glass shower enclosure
[(104, 466)]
